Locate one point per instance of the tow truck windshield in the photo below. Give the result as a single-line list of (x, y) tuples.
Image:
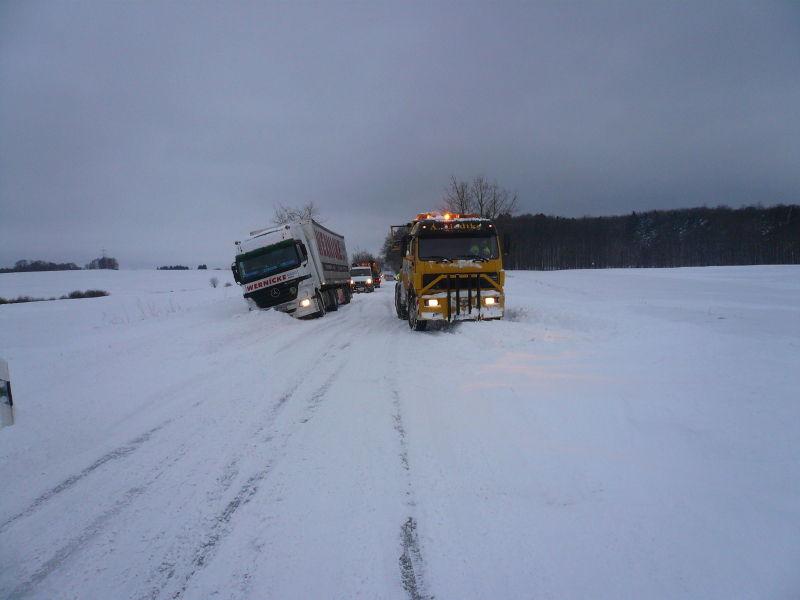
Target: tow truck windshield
[(275, 259), (361, 272), (454, 247)]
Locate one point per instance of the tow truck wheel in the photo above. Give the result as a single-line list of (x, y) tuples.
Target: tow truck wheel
[(402, 313), (415, 323)]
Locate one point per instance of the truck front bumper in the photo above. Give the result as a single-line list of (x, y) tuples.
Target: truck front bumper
[(294, 307), (434, 306)]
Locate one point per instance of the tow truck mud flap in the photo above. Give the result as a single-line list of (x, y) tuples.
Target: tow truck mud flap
[(6, 401)]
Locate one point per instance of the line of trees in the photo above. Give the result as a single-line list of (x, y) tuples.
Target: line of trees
[(692, 237), (28, 266)]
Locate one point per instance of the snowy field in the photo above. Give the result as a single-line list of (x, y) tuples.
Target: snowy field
[(622, 434)]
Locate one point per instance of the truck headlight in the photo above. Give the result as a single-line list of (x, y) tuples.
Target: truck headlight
[(305, 302), (489, 301), (433, 302), (369, 280)]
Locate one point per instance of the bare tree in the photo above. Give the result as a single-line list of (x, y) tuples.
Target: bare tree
[(457, 198), (214, 282), (360, 257), (480, 190), (388, 255), (288, 214), (500, 202), (480, 197)]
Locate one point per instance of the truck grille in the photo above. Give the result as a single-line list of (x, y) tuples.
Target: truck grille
[(465, 280), (276, 294)]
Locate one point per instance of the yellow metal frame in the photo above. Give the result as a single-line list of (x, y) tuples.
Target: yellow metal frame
[(460, 276)]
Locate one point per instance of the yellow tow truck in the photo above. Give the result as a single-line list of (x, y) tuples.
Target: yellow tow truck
[(452, 269)]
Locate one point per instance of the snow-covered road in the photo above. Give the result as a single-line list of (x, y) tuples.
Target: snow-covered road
[(623, 434)]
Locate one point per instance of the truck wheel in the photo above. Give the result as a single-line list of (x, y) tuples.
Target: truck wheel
[(415, 323), (334, 305), (347, 295), (320, 305), (402, 313)]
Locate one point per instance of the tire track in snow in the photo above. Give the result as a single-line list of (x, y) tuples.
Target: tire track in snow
[(115, 454), (410, 575), (411, 562), (82, 541), (412, 565), (67, 551), (135, 444), (222, 523)]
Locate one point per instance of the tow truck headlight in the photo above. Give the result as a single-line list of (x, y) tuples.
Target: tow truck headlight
[(305, 302), (352, 282), (369, 280), (433, 302), (489, 301)]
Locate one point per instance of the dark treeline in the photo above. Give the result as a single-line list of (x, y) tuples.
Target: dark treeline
[(27, 266), (692, 237), (174, 268), (106, 262)]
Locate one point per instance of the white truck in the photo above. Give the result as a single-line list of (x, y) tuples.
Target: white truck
[(361, 278), (299, 268)]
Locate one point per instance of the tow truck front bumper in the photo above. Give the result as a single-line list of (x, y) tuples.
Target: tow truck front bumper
[(434, 307), (462, 297)]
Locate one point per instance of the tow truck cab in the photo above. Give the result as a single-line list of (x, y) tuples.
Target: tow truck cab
[(452, 269)]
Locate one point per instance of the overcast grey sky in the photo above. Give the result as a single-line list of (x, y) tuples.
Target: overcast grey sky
[(164, 131)]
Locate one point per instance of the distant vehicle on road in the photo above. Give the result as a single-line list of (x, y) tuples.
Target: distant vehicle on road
[(361, 278)]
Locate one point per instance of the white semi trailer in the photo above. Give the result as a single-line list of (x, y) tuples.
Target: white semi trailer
[(299, 268)]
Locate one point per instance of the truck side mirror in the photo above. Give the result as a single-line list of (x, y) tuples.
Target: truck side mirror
[(506, 244), (235, 272), (403, 245)]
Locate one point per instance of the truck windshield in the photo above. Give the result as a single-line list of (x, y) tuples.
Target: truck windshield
[(458, 248), (361, 272), (275, 259)]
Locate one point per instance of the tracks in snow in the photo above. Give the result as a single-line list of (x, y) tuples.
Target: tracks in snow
[(256, 453), (412, 565), (198, 471), (116, 454)]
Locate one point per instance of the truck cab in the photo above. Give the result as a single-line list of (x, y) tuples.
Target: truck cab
[(297, 268), (452, 269)]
